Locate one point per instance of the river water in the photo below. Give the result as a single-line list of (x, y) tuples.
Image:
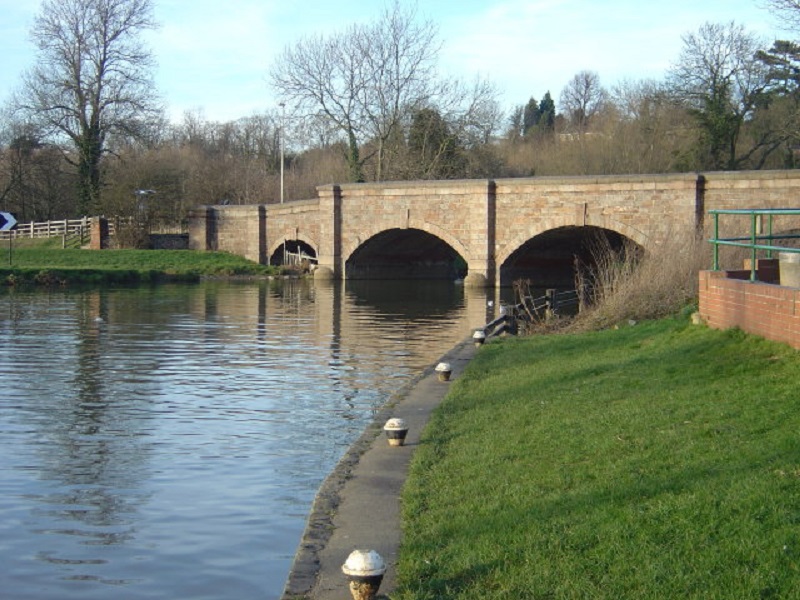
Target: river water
[(167, 442)]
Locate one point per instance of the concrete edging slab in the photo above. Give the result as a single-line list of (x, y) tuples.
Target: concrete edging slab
[(358, 504)]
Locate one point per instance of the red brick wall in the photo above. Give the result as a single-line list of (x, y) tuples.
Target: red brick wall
[(728, 299)]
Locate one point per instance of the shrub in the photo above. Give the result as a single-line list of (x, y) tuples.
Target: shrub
[(132, 235), (627, 284)]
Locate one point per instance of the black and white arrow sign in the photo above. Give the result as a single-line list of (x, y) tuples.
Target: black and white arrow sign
[(7, 221)]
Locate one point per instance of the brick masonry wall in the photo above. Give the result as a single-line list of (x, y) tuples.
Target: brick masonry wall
[(751, 189), (728, 299), (456, 212), (746, 190), (644, 208), (240, 230), (199, 238), (297, 220)]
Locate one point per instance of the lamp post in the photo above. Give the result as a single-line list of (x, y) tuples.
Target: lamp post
[(142, 204), (282, 136)]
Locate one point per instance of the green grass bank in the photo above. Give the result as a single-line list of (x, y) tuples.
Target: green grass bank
[(660, 460), (44, 264)]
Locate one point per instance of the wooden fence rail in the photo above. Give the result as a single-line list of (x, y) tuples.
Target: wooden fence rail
[(45, 229), (79, 228)]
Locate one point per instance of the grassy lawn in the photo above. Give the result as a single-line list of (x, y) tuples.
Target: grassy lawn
[(655, 461), (48, 263)]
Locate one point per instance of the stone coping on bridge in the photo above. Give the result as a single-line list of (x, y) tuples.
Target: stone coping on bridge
[(513, 181), (778, 175), (292, 205), (730, 179)]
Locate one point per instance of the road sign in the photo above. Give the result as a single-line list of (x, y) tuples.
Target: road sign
[(7, 221)]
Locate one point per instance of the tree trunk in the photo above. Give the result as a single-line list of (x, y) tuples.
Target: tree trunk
[(354, 159)]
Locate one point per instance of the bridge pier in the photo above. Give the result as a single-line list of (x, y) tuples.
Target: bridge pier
[(329, 253), (476, 280), (324, 274), (483, 222)]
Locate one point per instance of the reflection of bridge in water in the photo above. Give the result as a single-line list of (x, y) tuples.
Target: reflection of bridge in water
[(349, 318), (488, 232)]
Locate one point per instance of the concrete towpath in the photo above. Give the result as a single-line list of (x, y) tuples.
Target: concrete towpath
[(358, 505)]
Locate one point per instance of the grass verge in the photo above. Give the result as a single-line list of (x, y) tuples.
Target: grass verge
[(49, 266), (655, 461)]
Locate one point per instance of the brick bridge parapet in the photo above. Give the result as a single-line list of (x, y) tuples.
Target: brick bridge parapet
[(485, 221)]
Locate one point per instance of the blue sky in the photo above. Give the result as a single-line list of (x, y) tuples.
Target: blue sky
[(213, 55)]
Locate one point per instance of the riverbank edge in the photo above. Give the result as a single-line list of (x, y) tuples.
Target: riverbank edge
[(47, 279), (307, 565)]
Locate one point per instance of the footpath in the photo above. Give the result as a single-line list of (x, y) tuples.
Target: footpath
[(358, 505)]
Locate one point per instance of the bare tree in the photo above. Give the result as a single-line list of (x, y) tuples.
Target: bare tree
[(92, 80), (472, 110), (719, 77), (650, 128), (33, 177), (364, 80), (787, 11), (582, 98)]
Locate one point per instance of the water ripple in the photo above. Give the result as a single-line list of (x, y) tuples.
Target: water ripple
[(169, 441)]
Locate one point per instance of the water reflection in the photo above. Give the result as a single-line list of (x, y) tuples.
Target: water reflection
[(168, 441)]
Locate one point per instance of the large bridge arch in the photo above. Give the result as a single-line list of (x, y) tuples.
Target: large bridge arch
[(436, 231), (635, 235), (404, 253), (512, 246), (548, 259)]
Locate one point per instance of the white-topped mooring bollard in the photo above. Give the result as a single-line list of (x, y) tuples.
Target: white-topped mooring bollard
[(364, 570), (396, 431), (443, 371), (479, 338)]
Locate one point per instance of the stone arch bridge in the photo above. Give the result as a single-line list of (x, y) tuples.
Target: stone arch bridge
[(488, 232)]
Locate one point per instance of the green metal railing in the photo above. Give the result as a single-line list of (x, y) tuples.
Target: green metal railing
[(760, 232)]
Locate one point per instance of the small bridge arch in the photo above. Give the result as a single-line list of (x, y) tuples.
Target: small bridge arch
[(293, 252)]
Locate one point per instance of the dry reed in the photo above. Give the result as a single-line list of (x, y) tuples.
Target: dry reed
[(625, 284)]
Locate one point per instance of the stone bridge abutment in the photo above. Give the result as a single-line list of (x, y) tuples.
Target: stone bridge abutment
[(488, 230)]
